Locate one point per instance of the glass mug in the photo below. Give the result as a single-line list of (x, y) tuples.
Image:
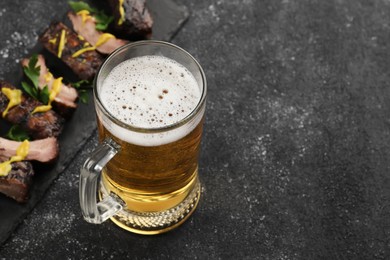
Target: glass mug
[(145, 178)]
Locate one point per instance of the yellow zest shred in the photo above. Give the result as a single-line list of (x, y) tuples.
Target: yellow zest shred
[(14, 96), (21, 153), (121, 12), (53, 41), (55, 89), (41, 109), (81, 51), (61, 44), (102, 39), (48, 76), (85, 15)]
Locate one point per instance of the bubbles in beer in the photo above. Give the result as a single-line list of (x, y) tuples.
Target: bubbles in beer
[(150, 92)]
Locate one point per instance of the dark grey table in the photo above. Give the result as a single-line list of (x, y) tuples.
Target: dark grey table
[(296, 152)]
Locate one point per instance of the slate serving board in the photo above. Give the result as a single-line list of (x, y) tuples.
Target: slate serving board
[(168, 19)]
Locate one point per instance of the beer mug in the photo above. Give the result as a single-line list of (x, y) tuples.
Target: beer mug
[(150, 103)]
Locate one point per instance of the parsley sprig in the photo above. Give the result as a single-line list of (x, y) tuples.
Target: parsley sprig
[(102, 20), (82, 86), (32, 72), (16, 133)]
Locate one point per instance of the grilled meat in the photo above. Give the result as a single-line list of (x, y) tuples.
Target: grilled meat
[(38, 125), (84, 65), (16, 184), (87, 29), (65, 102), (44, 150), (137, 21)]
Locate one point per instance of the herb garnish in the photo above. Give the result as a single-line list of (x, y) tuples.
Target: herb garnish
[(32, 72), (102, 20), (82, 86), (16, 133)]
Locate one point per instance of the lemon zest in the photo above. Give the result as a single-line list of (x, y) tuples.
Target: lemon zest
[(121, 13), (55, 89), (85, 15), (103, 38), (61, 44), (21, 153), (53, 41), (48, 76), (14, 96)]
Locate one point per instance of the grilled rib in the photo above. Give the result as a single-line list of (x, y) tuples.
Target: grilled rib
[(85, 65), (65, 102), (17, 183), (44, 150), (38, 125), (87, 29), (138, 22)]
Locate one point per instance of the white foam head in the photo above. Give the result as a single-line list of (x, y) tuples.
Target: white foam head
[(150, 92)]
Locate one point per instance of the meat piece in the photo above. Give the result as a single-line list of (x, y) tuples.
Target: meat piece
[(87, 29), (17, 183), (65, 102), (38, 125), (84, 65), (44, 150), (137, 23)]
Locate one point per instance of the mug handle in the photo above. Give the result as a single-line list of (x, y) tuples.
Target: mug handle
[(94, 212)]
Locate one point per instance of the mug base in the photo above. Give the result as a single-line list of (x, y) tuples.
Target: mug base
[(152, 223)]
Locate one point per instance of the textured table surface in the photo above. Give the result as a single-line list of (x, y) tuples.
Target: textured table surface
[(296, 150)]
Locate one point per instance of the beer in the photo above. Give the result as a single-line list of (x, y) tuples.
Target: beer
[(150, 92), (152, 100), (150, 103)]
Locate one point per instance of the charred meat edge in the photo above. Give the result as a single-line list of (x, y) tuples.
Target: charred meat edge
[(38, 125), (17, 183), (138, 20), (65, 102), (85, 65)]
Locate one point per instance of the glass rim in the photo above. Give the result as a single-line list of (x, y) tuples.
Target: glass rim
[(166, 128)]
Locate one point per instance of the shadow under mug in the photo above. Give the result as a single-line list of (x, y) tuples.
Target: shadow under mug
[(143, 188)]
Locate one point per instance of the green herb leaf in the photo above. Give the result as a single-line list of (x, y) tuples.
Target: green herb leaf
[(44, 95), (82, 86), (32, 91), (16, 133), (78, 6), (81, 83), (83, 96), (32, 70), (102, 20)]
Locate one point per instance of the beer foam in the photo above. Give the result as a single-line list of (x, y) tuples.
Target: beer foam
[(150, 92)]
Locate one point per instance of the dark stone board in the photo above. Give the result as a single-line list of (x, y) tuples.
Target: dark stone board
[(296, 144), (168, 19)]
